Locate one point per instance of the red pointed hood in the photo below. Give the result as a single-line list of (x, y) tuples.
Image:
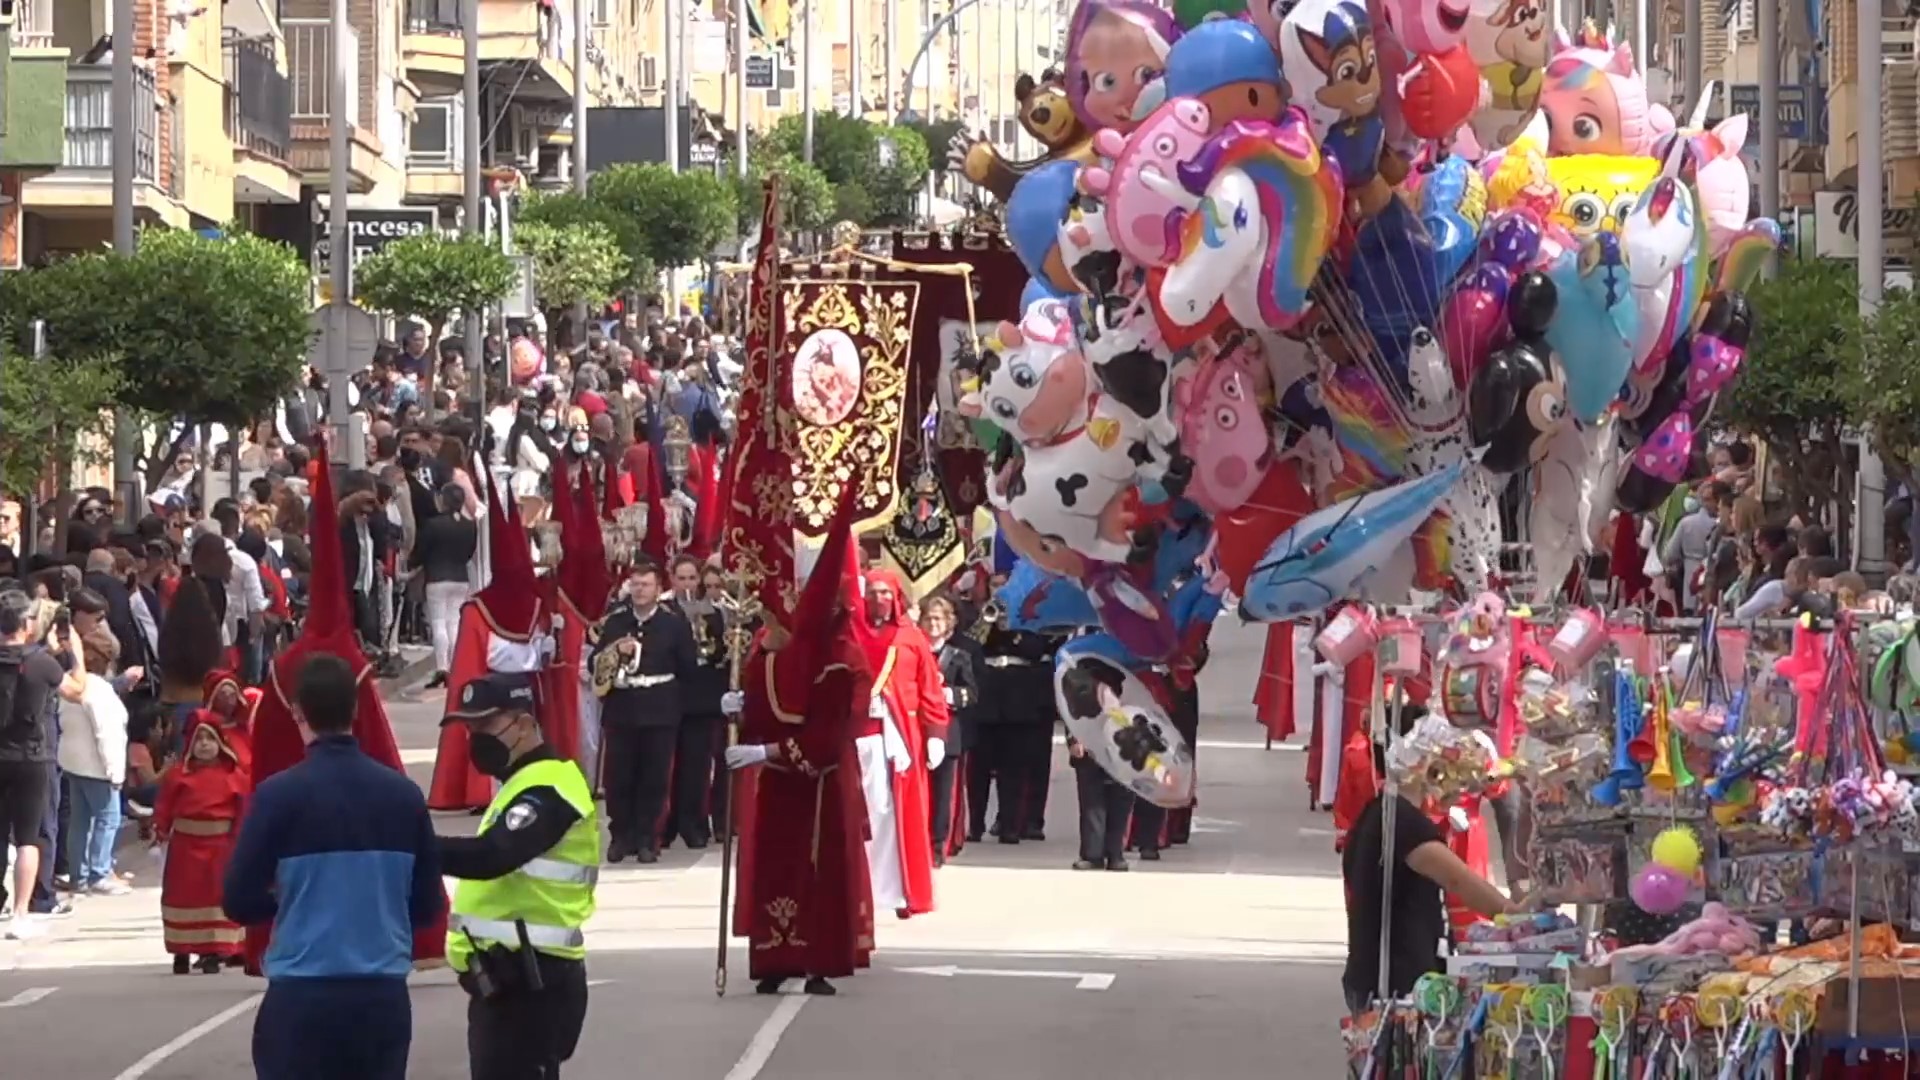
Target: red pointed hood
[(830, 618), (510, 602), (595, 581), (583, 576), (328, 619), (657, 543)]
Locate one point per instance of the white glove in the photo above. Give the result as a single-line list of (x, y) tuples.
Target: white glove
[(949, 695), (896, 748), (877, 708), (936, 751), (739, 757), (733, 702)]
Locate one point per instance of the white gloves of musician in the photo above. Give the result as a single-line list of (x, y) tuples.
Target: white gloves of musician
[(949, 695), (733, 702), (739, 757), (936, 751)]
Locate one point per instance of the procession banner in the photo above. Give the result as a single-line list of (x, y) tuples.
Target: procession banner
[(923, 543), (756, 544), (841, 371)]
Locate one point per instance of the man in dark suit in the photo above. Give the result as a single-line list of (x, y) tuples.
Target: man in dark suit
[(644, 660)]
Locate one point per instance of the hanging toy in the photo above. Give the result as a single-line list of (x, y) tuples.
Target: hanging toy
[(1659, 890), (1678, 849)]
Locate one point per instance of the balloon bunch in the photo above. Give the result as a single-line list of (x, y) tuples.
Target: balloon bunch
[(1330, 275)]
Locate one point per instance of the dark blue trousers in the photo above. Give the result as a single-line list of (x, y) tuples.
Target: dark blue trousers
[(333, 1029)]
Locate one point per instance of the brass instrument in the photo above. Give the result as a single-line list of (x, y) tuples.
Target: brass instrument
[(992, 617)]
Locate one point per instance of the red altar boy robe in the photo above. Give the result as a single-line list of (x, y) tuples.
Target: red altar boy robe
[(804, 898), (233, 723), (1273, 693), (907, 676), (198, 818)]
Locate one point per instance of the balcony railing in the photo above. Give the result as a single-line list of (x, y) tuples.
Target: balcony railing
[(32, 23), (433, 16), (309, 56), (90, 122), (259, 99)]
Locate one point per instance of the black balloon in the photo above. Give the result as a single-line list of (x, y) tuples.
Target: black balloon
[(1531, 304), (1499, 405)]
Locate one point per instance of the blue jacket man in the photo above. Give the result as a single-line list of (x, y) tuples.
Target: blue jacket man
[(338, 853)]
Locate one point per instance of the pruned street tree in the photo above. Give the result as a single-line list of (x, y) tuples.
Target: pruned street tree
[(431, 277), (680, 217), (572, 264)]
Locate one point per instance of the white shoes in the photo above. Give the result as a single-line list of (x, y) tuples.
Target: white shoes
[(109, 886), (24, 928)]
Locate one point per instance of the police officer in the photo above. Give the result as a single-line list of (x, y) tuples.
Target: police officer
[(526, 890)]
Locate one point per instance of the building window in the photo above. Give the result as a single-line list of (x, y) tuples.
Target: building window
[(649, 73), (433, 142)]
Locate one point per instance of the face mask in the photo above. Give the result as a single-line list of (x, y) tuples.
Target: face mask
[(409, 458), (490, 754), (580, 445), (548, 423)]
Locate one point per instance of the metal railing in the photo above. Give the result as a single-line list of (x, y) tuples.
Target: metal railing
[(309, 57), (90, 122), (433, 17), (32, 23), (259, 99)]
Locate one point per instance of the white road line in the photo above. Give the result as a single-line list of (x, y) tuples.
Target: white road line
[(1082, 980), (187, 1038), (27, 997), (765, 1041)]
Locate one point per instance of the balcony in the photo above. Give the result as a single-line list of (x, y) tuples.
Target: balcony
[(259, 100), (82, 185), (90, 124), (433, 52), (32, 24), (310, 60)]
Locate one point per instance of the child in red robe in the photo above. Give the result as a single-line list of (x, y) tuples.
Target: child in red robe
[(230, 707), (198, 818)]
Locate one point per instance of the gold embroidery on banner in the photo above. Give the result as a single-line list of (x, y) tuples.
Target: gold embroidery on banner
[(862, 446)]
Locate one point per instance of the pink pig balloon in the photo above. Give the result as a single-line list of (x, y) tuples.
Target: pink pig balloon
[(1223, 431)]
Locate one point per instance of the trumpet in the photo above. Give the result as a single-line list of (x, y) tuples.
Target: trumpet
[(993, 615)]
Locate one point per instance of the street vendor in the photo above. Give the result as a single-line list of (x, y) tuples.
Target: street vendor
[(1424, 869)]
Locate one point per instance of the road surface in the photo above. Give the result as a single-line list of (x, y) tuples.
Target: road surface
[(1220, 961)]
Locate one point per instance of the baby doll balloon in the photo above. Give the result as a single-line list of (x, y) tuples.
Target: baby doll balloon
[(1596, 103), (1116, 56)]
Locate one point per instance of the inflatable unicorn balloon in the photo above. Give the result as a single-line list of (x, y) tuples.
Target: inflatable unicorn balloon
[(1720, 177)]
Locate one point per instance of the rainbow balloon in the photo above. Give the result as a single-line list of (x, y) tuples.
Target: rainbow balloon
[(1298, 194)]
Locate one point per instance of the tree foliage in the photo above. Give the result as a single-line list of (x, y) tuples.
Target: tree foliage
[(55, 411), (432, 276), (572, 264), (210, 328), (806, 198), (567, 208), (680, 217), (1796, 389), (935, 137), (848, 153), (1885, 392)]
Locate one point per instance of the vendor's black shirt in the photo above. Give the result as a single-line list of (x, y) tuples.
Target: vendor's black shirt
[(1419, 913)]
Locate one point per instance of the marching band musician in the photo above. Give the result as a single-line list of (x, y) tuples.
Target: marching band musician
[(701, 719), (644, 665), (1014, 724)]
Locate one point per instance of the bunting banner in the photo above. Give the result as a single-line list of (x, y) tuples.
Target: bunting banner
[(953, 325), (924, 543), (841, 376), (756, 544)]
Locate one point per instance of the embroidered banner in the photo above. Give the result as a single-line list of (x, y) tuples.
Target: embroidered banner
[(756, 543), (923, 543), (842, 378)]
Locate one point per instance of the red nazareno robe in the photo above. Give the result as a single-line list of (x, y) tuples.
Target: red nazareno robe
[(198, 815), (907, 675), (804, 901)]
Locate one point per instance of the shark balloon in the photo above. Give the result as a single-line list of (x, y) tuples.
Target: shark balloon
[(1332, 553)]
